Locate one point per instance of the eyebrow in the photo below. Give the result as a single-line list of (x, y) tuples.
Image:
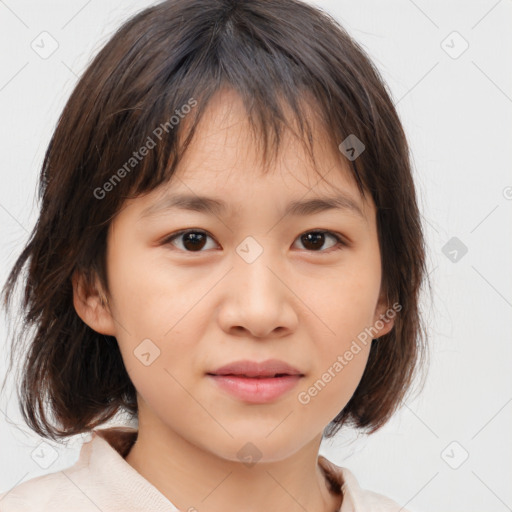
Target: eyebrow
[(217, 207)]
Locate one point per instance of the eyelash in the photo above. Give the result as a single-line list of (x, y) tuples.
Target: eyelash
[(340, 242)]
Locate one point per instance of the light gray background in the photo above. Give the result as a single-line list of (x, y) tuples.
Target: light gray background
[(457, 113)]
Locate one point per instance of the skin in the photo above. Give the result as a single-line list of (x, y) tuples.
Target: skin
[(209, 307)]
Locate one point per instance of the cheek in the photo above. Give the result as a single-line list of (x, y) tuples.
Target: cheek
[(151, 297), (153, 313), (326, 392), (344, 306), (342, 338), (161, 369)]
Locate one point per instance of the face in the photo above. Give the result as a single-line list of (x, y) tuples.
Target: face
[(251, 279)]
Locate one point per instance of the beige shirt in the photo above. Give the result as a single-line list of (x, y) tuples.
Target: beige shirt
[(102, 480)]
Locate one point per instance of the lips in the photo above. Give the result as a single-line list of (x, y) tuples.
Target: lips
[(253, 382), (254, 369)]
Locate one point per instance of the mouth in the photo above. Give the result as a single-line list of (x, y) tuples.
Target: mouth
[(256, 383)]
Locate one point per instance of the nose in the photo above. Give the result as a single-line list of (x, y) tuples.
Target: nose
[(258, 300)]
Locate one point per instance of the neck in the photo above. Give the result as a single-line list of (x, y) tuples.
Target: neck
[(193, 478)]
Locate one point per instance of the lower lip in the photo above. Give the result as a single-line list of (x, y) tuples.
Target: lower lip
[(257, 391)]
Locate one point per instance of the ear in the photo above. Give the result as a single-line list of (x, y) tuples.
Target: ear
[(384, 318), (91, 305)]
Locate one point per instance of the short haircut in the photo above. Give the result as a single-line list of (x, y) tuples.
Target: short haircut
[(280, 56)]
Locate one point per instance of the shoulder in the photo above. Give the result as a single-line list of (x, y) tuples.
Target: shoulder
[(365, 499), (48, 492), (355, 498), (101, 479), (61, 490)]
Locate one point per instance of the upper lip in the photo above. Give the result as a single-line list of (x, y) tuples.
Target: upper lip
[(268, 368)]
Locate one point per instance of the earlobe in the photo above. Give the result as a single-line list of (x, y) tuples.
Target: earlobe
[(384, 319), (384, 325), (91, 305)]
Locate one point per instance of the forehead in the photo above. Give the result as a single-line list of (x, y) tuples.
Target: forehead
[(222, 168), (226, 135), (226, 150)]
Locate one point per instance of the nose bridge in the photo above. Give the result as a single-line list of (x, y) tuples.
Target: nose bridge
[(253, 265), (256, 298)]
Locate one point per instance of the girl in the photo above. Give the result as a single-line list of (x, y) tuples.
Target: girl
[(229, 249)]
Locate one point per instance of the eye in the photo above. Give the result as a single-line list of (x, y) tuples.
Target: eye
[(194, 240), (314, 240)]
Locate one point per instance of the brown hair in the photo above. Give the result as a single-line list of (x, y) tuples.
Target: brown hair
[(274, 54)]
